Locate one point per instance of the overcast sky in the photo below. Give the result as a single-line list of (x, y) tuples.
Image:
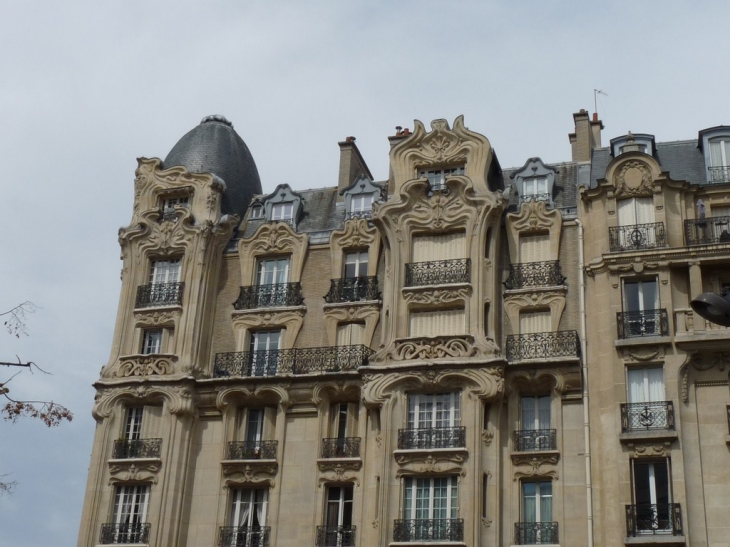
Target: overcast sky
[(87, 87)]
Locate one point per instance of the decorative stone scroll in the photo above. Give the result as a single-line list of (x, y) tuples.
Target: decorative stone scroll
[(145, 365), (436, 297), (179, 398), (357, 233), (351, 312), (434, 348), (339, 470), (272, 238), (553, 299), (137, 470), (249, 473), (535, 465), (420, 463)]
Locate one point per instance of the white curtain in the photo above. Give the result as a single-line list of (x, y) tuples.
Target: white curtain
[(437, 323), (534, 322), (646, 385), (535, 248), (440, 247)]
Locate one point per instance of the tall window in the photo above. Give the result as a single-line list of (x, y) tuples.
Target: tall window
[(248, 518), (720, 152), (133, 423), (535, 188), (264, 356), (165, 271), (535, 432), (273, 271), (646, 385), (350, 334), (641, 302), (430, 498), (255, 425), (434, 410), (534, 248), (652, 495), (282, 211), (537, 506), (634, 211), (130, 514), (152, 341), (339, 508), (356, 264)]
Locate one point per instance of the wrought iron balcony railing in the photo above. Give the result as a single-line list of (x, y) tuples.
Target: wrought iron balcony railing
[(336, 536), (533, 440), (642, 323), (645, 518), (353, 289), (433, 437), (129, 532), (636, 237), (534, 274), (269, 296), (159, 294), (252, 450), (546, 197), (707, 231), (349, 447), (244, 536), (367, 215), (438, 272), (542, 345), (536, 533), (428, 530), (291, 361), (138, 448), (719, 174), (646, 416)]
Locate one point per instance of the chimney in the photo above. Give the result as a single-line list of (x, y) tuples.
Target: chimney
[(352, 165), (587, 135)]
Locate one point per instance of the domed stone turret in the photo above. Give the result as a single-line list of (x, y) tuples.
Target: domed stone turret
[(215, 147)]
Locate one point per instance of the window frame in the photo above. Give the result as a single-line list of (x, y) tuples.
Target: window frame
[(152, 339), (411, 487), (165, 270), (282, 212), (418, 409)]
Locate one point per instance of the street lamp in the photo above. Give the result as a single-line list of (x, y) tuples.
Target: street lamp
[(713, 307)]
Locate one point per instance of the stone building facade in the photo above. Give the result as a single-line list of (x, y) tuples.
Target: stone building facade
[(460, 355)]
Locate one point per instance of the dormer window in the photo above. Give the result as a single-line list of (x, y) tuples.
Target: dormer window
[(719, 168), (535, 188), (170, 202), (361, 206), (282, 212), (437, 177), (360, 196), (633, 142), (535, 181), (256, 212)]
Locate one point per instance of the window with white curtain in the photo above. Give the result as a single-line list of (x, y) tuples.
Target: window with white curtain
[(152, 341), (430, 498), (165, 271), (130, 513), (635, 211), (534, 248), (430, 324), (720, 152), (248, 510), (535, 188), (532, 322), (263, 346), (537, 501), (645, 385), (641, 300), (433, 410), (361, 204), (282, 211), (273, 271), (430, 248), (356, 264), (535, 412), (350, 334)]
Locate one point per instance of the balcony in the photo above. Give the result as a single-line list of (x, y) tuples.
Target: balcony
[(159, 294), (353, 289), (633, 324), (336, 536), (534, 440), (140, 448), (367, 215), (269, 296), (637, 237), (536, 533), (126, 533), (252, 450), (707, 231), (545, 196), (244, 536), (719, 175), (428, 530), (534, 274), (653, 519), (542, 345), (439, 272), (647, 416), (291, 361), (429, 438), (349, 447)]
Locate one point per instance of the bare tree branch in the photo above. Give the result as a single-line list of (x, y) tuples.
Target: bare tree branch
[(15, 323)]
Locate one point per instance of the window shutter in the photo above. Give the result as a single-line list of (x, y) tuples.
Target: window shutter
[(437, 323), (644, 210), (350, 334), (533, 322), (535, 248), (439, 247), (151, 421), (626, 212)]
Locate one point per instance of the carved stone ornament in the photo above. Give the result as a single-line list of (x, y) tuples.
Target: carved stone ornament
[(435, 297), (650, 450), (418, 463), (272, 238), (340, 390), (633, 179), (487, 435), (537, 380), (554, 300), (441, 147), (652, 353), (134, 471), (249, 473), (357, 233), (290, 320), (335, 314), (482, 383), (434, 348), (339, 470), (145, 365), (252, 394), (538, 465), (156, 318), (533, 216), (179, 399)]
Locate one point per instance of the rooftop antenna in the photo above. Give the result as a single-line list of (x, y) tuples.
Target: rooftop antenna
[(597, 92)]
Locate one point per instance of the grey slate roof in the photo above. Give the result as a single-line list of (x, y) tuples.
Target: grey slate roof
[(681, 159), (215, 147)]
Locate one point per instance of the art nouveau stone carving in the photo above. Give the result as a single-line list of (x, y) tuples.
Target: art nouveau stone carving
[(272, 239)]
